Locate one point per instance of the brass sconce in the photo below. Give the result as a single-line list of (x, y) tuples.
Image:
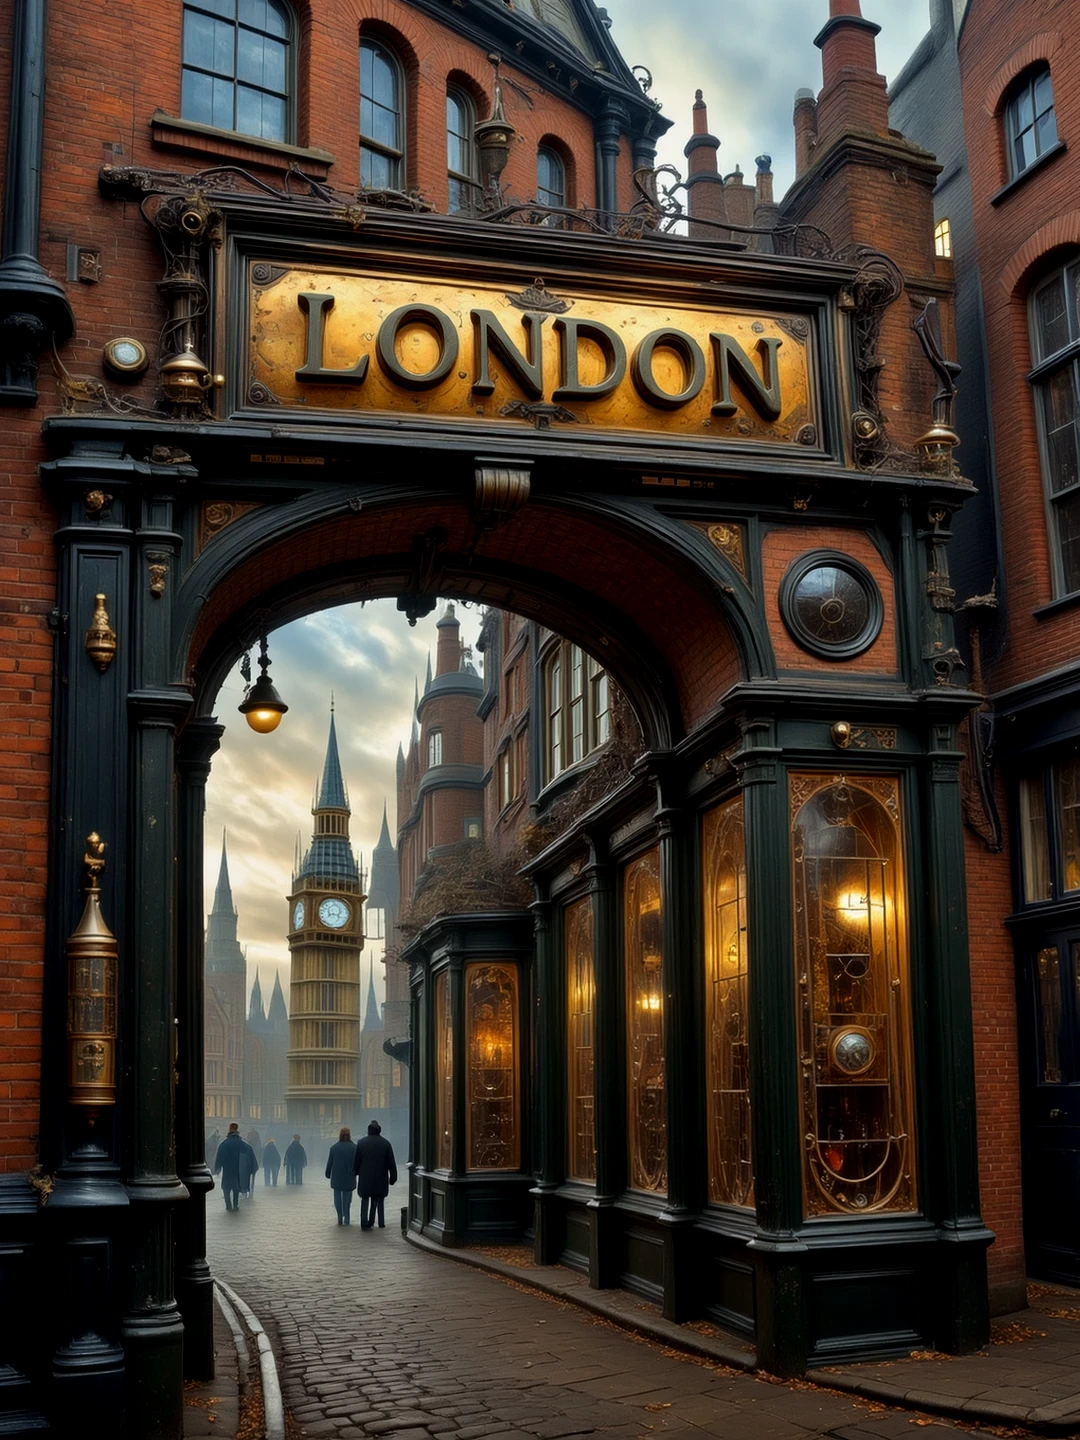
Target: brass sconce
[(101, 637), (93, 962)]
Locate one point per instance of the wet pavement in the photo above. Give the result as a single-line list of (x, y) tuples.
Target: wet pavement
[(376, 1337)]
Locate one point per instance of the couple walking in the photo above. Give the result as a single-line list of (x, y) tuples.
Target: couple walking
[(371, 1163)]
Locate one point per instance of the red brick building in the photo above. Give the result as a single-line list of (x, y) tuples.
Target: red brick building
[(464, 352)]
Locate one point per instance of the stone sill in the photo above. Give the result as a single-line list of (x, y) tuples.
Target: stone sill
[(170, 133), (1037, 164)]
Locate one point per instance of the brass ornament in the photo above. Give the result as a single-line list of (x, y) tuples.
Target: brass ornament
[(96, 501), (93, 964), (159, 573), (100, 642), (186, 380), (501, 491)]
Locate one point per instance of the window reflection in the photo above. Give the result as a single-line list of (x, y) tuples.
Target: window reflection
[(580, 998), (491, 1019), (731, 1178), (645, 1024), (1048, 965), (854, 1006)]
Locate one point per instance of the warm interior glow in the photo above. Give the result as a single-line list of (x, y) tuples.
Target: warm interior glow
[(263, 721), (853, 907)]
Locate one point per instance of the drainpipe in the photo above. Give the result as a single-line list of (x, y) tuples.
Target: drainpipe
[(34, 310)]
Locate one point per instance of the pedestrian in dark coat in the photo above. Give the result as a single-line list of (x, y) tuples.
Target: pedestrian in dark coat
[(295, 1160), (376, 1171), (234, 1162), (252, 1138), (271, 1162), (341, 1172)]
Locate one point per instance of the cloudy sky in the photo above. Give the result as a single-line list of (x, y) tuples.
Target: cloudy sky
[(749, 57)]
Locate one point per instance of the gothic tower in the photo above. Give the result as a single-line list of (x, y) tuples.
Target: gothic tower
[(326, 935), (224, 1015)]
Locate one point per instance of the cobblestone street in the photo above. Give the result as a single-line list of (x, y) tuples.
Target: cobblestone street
[(377, 1338)]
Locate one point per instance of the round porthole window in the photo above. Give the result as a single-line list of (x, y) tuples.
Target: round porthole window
[(831, 605)]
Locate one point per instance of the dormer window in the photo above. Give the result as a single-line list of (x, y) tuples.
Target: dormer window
[(1030, 126)]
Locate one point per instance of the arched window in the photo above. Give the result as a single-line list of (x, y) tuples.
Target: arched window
[(382, 118), (1055, 333), (460, 150), (550, 177), (237, 66), (1030, 126)]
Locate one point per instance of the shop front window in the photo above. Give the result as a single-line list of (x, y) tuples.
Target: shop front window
[(1050, 832), (580, 1004), (644, 975), (731, 1176), (491, 1018), (444, 1074), (854, 1003)]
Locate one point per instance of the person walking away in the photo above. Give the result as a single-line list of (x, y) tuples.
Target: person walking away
[(295, 1160), (341, 1172), (376, 1172), (230, 1162), (271, 1162)]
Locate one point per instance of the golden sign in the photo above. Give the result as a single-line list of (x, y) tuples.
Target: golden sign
[(388, 344)]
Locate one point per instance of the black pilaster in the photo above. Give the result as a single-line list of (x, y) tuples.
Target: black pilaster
[(194, 1282), (608, 1073), (608, 128), (548, 1070)]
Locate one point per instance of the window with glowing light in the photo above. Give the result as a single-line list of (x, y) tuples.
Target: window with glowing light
[(943, 240), (580, 1003), (1050, 832), (723, 845), (854, 1002), (491, 1010), (444, 1074), (644, 976)]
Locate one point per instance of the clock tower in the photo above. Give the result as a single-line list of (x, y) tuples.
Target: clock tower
[(326, 936)]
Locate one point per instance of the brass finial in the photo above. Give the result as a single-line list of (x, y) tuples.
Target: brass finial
[(101, 637), (94, 859), (93, 965)]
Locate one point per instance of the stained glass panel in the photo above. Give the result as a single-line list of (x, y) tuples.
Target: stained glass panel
[(854, 1002), (491, 1010), (731, 1176), (644, 972), (580, 998), (444, 1074)]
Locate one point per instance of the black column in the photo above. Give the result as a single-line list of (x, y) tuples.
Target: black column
[(549, 1087), (777, 1253), (962, 1317), (609, 127), (194, 1283), (33, 307), (682, 1050), (609, 1098)]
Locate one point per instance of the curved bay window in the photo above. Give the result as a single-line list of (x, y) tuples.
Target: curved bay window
[(444, 1074), (854, 1002), (576, 707), (580, 1004), (491, 1023), (644, 973), (236, 68), (382, 118), (731, 1176)]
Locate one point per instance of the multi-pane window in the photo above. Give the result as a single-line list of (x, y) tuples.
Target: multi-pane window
[(460, 150), (576, 708), (434, 749), (505, 769), (1056, 379), (236, 66), (645, 1077), (382, 122), (943, 240), (580, 1007), (1030, 127), (550, 177), (1050, 832)]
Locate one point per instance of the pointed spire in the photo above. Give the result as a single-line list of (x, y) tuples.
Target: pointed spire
[(385, 843), (332, 794), (223, 901), (277, 1017), (256, 1013), (372, 1017), (427, 679), (400, 763)]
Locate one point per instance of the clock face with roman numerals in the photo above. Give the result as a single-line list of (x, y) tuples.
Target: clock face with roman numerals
[(334, 913)]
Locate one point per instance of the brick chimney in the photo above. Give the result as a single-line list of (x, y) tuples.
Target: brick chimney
[(704, 186), (853, 95), (805, 121)]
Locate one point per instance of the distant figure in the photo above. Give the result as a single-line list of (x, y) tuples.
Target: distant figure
[(252, 1138), (341, 1172), (295, 1160), (271, 1162), (212, 1142), (235, 1162), (376, 1172)]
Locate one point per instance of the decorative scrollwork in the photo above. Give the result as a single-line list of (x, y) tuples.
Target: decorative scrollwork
[(538, 297), (264, 275), (260, 394), (541, 413)]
